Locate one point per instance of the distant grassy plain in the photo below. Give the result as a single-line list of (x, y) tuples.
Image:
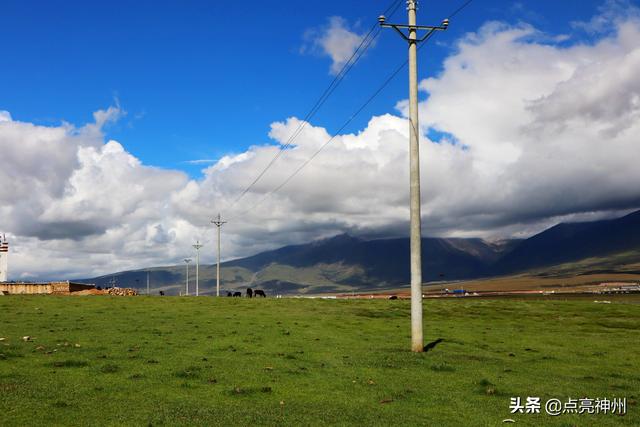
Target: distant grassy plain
[(204, 361), (530, 282)]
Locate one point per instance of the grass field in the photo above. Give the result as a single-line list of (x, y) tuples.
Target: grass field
[(202, 361)]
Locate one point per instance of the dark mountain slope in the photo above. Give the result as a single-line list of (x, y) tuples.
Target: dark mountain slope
[(384, 260), (568, 242), (335, 262)]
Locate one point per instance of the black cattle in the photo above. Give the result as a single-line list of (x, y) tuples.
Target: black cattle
[(259, 292), (161, 293), (237, 294), (229, 294), (393, 297), (249, 292)]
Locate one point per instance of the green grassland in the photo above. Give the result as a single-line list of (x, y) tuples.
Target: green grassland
[(203, 361), (623, 262)]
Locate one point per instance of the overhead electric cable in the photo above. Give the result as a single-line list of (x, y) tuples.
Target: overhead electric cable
[(355, 57), (346, 123), (460, 9)]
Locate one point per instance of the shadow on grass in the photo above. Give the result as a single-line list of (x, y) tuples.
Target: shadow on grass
[(432, 344)]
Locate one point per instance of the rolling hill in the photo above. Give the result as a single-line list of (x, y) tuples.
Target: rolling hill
[(345, 263), (570, 242), (340, 263)]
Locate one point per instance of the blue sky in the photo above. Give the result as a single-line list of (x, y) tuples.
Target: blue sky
[(201, 79)]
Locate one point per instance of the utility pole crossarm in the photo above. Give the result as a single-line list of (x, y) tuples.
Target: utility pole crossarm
[(217, 221), (429, 28)]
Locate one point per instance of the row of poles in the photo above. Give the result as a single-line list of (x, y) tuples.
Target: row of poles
[(218, 222)]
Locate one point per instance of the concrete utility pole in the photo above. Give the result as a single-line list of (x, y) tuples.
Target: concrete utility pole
[(4, 259), (417, 341), (218, 223), (197, 247), (148, 283), (186, 283)]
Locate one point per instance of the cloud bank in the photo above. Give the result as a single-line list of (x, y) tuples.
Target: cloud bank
[(518, 132)]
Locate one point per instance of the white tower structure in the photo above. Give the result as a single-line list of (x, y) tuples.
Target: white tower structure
[(4, 259)]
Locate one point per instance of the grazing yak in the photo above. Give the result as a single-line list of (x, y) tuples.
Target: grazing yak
[(229, 294), (161, 293), (249, 293), (259, 292), (393, 297), (237, 294)]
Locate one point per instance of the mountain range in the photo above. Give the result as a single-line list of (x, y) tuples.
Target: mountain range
[(345, 263)]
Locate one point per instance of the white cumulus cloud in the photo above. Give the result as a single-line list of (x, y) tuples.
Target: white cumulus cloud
[(334, 40)]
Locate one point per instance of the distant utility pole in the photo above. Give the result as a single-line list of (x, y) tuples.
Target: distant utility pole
[(4, 259), (197, 247), (186, 283), (148, 283), (218, 223), (417, 341)]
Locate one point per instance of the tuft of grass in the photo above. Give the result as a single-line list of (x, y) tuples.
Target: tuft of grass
[(70, 363), (485, 382), (109, 368), (442, 367), (60, 404), (246, 391), (189, 372)]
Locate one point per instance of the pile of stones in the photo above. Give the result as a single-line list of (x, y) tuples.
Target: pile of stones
[(123, 292)]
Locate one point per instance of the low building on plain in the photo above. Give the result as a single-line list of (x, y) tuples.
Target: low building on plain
[(32, 288)]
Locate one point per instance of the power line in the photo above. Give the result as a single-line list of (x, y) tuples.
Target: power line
[(349, 64), (357, 54), (348, 121), (460, 9), (305, 120), (344, 125), (355, 57)]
